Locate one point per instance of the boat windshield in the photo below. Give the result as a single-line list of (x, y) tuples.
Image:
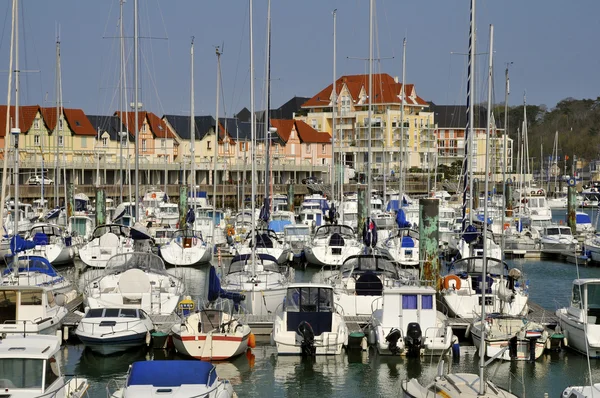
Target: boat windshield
[(166, 209), (296, 230), (565, 230), (593, 297), (21, 373), (114, 313), (309, 299), (553, 231), (471, 265), (145, 261), (164, 233), (185, 233), (119, 230), (243, 263), (48, 230), (325, 231), (363, 264)]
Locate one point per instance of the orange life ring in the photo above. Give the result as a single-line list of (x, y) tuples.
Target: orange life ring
[(540, 192), (524, 200), (450, 278), (153, 196)]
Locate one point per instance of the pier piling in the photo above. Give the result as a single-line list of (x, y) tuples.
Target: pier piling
[(572, 208), (183, 204), (100, 207), (429, 240)]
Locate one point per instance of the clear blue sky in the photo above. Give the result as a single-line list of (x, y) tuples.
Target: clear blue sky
[(551, 42)]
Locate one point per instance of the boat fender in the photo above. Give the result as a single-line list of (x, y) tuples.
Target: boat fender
[(252, 340), (148, 338), (448, 279), (468, 331), (65, 334), (372, 337), (565, 339), (533, 192), (548, 344), (455, 347), (59, 334), (540, 192)]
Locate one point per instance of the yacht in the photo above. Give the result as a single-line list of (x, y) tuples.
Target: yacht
[(362, 279), (268, 243), (558, 239), (36, 271), (51, 243), (463, 286), (107, 241), (174, 378), (110, 330), (167, 214), (309, 322), (332, 245), (402, 246), (296, 236), (135, 280), (580, 321), (186, 248), (29, 367), (408, 323)]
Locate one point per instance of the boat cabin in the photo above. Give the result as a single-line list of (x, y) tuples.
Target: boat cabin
[(585, 301), (312, 303), (26, 308), (409, 304)]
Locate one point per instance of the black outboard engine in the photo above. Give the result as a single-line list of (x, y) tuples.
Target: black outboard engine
[(413, 339), (392, 340), (308, 339), (512, 347)]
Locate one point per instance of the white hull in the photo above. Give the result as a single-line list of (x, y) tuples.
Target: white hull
[(585, 341), (174, 254), (95, 255), (497, 340), (56, 254), (327, 256), (211, 346)]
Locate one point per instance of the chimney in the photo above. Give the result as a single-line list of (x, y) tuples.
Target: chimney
[(396, 79)]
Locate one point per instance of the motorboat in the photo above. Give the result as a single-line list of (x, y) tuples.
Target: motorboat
[(136, 280), (211, 334), (408, 323), (526, 340), (186, 248), (402, 246), (332, 245), (110, 330), (281, 219), (312, 215), (31, 309), (582, 391), (296, 236), (463, 286), (583, 223), (471, 244), (162, 235), (50, 242), (309, 322), (29, 367), (580, 321), (35, 271), (174, 378), (362, 279), (454, 385), (260, 279), (167, 214), (558, 239), (107, 241), (267, 242), (520, 237)]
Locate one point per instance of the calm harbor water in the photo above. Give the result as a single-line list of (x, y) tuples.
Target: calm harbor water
[(364, 374)]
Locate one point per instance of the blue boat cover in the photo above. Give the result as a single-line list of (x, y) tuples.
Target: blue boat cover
[(18, 244), (393, 205), (171, 373), (53, 213), (190, 218), (401, 219), (583, 218), (470, 234), (480, 218), (407, 241), (279, 225), (35, 264), (199, 194), (215, 291)]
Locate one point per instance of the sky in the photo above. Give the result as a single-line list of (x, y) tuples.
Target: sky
[(551, 44)]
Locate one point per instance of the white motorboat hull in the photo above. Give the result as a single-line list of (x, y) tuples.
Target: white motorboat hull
[(586, 341), (174, 254), (327, 256), (493, 345), (211, 346), (289, 343), (108, 335)]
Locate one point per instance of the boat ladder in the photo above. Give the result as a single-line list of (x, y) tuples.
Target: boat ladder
[(155, 304)]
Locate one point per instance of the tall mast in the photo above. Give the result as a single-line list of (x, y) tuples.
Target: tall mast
[(121, 96), (482, 386), (268, 101), (8, 96), (252, 136), (402, 149), (135, 112), (56, 127), (468, 164), (334, 134), (370, 113), (192, 127), (218, 53), (16, 131), (504, 157)]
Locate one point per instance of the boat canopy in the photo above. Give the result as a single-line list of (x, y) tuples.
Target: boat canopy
[(145, 261), (279, 225), (171, 373), (327, 230), (238, 263), (583, 218), (31, 264), (471, 265), (368, 263)]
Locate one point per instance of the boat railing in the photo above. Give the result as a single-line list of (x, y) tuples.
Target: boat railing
[(373, 304), (113, 386), (339, 309), (103, 324)]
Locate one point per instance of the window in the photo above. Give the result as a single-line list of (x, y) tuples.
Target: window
[(36, 123), (242, 147), (208, 145), (123, 139), (409, 302), (163, 143), (427, 302), (84, 142), (293, 149), (576, 297), (144, 145), (52, 372), (104, 142), (60, 124), (323, 148), (313, 123), (36, 140), (23, 373), (61, 140), (144, 127), (31, 297), (307, 148)]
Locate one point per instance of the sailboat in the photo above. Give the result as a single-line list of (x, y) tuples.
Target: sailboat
[(463, 384)]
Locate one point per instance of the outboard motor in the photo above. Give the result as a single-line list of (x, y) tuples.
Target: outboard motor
[(392, 340), (512, 347), (413, 339), (308, 339)]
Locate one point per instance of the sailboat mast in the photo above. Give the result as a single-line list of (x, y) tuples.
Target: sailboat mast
[(482, 386), (192, 127), (121, 96), (136, 106), (56, 128), (268, 102), (214, 220), (472, 45), (16, 131), (402, 149), (334, 134), (504, 159), (252, 135), (370, 113), (8, 96)]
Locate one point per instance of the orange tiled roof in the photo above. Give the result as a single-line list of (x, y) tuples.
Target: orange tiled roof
[(284, 128), (78, 122), (309, 135), (26, 115), (385, 90), (157, 126)]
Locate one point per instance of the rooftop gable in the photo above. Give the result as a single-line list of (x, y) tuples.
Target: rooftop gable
[(26, 116), (309, 135)]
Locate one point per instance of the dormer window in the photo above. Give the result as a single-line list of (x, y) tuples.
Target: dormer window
[(36, 123), (36, 140), (60, 124), (61, 140), (104, 142)]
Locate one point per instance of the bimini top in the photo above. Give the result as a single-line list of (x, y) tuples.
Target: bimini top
[(144, 261), (586, 281), (171, 373), (117, 229), (31, 264), (363, 263)]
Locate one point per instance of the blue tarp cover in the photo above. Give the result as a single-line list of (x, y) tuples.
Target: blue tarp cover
[(401, 219), (18, 244), (583, 218), (35, 264), (171, 373), (215, 291), (407, 241)]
